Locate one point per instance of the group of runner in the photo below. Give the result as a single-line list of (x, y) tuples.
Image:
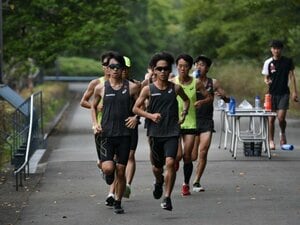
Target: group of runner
[(178, 112)]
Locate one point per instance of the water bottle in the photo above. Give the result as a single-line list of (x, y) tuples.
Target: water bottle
[(232, 105), (268, 103), (197, 73), (287, 147), (257, 102)]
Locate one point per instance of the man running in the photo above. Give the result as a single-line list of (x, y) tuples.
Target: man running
[(85, 102), (204, 118), (115, 125), (191, 86), (131, 165), (162, 124)]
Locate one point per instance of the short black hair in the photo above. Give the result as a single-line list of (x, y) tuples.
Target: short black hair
[(186, 58), (161, 56), (204, 59), (107, 55), (118, 57), (276, 44)]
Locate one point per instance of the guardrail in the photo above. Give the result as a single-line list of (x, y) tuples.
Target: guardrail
[(27, 135)]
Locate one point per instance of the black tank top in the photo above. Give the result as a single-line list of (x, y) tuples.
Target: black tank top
[(116, 108), (165, 103), (206, 110)]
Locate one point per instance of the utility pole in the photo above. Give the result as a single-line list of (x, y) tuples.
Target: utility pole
[(1, 44)]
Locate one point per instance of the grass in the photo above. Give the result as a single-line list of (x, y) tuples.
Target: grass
[(55, 96)]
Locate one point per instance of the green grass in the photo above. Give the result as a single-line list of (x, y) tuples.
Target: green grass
[(55, 96)]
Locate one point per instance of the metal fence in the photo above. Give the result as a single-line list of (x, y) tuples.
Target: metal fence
[(27, 135)]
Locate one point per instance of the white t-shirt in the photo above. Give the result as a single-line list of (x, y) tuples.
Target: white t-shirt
[(265, 70)]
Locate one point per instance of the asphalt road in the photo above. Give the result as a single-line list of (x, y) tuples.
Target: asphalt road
[(248, 190)]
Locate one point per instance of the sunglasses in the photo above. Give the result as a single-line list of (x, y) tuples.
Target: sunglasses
[(160, 68), (115, 66)]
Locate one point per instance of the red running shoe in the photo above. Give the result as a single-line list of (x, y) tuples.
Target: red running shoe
[(185, 190)]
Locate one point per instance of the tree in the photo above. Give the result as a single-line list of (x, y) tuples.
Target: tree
[(240, 28), (44, 29), (150, 26)]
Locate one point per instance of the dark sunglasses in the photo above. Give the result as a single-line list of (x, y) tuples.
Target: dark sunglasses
[(160, 68), (115, 66)]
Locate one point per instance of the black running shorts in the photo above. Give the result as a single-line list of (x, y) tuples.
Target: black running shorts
[(119, 146), (161, 148)]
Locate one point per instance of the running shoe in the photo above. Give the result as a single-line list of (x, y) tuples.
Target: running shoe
[(127, 191), (109, 202), (197, 187), (185, 190), (157, 190), (118, 208), (167, 204)]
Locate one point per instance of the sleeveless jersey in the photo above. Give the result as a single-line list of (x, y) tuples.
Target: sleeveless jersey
[(206, 110), (190, 91), (165, 103), (116, 109)]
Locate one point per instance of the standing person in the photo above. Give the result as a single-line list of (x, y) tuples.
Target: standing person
[(204, 118), (85, 102), (278, 71), (190, 86), (131, 165), (162, 124), (115, 124)]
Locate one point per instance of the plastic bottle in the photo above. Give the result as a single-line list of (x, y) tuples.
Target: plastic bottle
[(257, 102), (197, 73), (268, 103), (287, 147), (232, 105)]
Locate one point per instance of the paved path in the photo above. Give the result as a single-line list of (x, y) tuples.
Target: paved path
[(242, 191)]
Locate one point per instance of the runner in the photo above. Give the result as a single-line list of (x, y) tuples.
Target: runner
[(131, 165), (190, 86), (204, 118), (85, 102), (115, 124), (162, 124)]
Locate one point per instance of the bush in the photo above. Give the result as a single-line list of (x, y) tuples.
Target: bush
[(55, 96), (75, 66)]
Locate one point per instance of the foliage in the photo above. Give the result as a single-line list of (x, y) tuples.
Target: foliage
[(5, 127), (17, 72), (55, 96), (150, 26), (44, 29), (75, 66), (240, 28)]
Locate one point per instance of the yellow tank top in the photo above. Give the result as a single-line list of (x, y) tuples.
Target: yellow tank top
[(190, 91)]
